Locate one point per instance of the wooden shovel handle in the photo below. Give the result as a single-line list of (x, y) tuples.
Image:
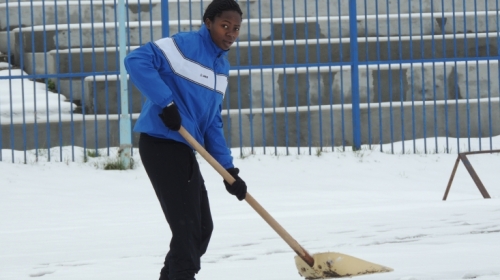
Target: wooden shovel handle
[(301, 252)]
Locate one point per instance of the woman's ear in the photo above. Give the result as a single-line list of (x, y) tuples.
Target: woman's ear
[(208, 23)]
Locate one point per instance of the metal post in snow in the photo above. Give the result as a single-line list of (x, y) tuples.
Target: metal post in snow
[(356, 115), (125, 121)]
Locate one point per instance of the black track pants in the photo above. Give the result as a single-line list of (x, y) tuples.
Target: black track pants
[(179, 186)]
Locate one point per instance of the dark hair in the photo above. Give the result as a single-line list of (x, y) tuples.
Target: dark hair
[(216, 7)]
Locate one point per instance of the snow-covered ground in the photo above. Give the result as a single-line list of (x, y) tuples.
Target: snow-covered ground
[(74, 220)]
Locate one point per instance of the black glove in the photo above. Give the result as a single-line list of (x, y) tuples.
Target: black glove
[(171, 117), (238, 188)]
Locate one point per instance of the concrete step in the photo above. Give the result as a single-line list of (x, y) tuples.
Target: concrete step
[(68, 35), (309, 86), (377, 83), (42, 39), (30, 13), (94, 40), (291, 8), (21, 14), (417, 24), (287, 127), (83, 62), (65, 130), (255, 53), (105, 34), (410, 24), (103, 96), (4, 57), (330, 126), (99, 97), (370, 49)]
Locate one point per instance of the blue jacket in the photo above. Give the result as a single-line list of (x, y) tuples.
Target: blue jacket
[(190, 70)]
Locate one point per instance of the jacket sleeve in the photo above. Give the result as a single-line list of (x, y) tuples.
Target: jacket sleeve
[(215, 143), (144, 66)]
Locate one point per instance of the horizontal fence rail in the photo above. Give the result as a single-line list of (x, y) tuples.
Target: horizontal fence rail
[(304, 74)]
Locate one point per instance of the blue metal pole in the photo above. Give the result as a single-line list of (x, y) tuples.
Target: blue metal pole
[(356, 115), (252, 143), (125, 122), (341, 51), (275, 121), (368, 93), (330, 75), (165, 26), (263, 105), (378, 52)]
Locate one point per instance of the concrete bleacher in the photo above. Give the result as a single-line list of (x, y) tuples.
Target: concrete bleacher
[(81, 37), (384, 81)]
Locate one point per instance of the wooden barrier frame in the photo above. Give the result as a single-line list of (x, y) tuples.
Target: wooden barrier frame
[(473, 174)]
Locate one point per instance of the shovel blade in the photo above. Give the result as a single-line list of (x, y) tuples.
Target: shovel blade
[(337, 265)]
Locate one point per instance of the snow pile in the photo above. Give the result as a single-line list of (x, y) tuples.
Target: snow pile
[(25, 99)]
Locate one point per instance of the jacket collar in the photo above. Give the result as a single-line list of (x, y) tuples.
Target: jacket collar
[(209, 43)]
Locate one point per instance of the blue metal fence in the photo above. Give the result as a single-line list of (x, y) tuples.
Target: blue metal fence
[(305, 74)]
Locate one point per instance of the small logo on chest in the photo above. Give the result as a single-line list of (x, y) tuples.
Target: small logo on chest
[(204, 76)]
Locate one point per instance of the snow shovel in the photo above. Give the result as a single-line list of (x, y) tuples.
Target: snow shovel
[(317, 266)]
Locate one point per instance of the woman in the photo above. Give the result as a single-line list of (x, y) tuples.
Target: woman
[(184, 78)]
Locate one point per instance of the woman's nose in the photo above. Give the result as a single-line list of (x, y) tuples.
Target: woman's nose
[(232, 34)]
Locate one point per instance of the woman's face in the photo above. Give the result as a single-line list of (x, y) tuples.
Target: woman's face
[(225, 28)]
